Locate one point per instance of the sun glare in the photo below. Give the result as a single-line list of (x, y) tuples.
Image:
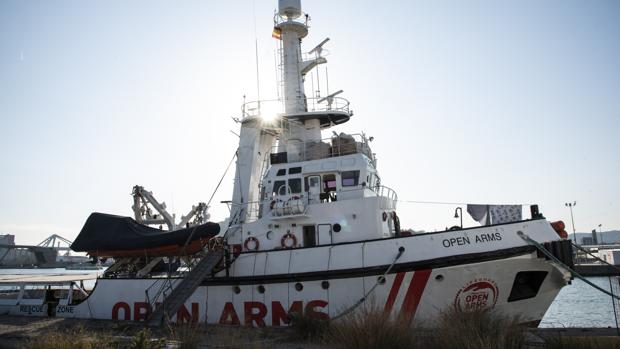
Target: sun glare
[(269, 111)]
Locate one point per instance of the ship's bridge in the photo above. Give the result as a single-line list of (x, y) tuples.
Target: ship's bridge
[(334, 170)]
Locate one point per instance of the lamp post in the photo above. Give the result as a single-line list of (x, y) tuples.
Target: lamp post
[(456, 215), (600, 232), (570, 205)]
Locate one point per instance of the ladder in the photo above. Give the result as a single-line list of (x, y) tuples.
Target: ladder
[(185, 288)]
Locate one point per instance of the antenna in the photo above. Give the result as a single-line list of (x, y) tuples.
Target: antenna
[(319, 48), (330, 97), (256, 56)]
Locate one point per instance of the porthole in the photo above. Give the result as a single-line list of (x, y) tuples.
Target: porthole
[(237, 289), (381, 280), (269, 235), (325, 285), (337, 228), (439, 277), (299, 286), (261, 289)]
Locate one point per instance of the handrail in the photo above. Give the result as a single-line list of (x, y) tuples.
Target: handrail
[(388, 196), (276, 106), (340, 145)]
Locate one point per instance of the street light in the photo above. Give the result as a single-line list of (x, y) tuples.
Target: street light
[(570, 205), (600, 232), (456, 215)]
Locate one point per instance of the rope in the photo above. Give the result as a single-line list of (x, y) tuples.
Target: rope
[(221, 179), (401, 250), (189, 238), (455, 203), (542, 249)]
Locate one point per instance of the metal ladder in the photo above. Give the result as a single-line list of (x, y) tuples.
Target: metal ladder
[(185, 288)]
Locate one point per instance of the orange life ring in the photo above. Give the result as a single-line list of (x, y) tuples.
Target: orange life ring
[(250, 239), (286, 237)]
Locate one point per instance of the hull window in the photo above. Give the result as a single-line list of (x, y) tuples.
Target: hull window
[(526, 285)]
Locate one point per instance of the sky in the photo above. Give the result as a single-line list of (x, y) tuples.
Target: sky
[(480, 101)]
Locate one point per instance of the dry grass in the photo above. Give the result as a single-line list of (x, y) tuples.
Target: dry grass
[(143, 340), (372, 329), (187, 335), (77, 338), (478, 329), (308, 328)]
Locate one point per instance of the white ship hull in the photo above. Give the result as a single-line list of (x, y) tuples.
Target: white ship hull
[(483, 275)]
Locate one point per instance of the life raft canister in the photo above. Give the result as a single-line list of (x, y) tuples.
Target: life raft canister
[(249, 240), (288, 237), (559, 227)]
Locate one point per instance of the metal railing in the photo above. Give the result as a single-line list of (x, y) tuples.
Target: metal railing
[(340, 145), (388, 200), (388, 197), (274, 108)]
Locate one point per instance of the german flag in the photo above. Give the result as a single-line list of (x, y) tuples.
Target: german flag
[(277, 33)]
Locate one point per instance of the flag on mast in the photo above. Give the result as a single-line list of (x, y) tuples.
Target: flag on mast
[(277, 33)]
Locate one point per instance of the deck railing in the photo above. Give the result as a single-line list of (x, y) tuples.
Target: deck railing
[(338, 145), (273, 108)]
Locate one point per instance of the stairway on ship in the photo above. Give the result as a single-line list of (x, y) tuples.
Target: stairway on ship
[(185, 287)]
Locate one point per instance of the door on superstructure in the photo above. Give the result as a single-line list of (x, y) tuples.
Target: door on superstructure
[(313, 187), (309, 236), (324, 235)]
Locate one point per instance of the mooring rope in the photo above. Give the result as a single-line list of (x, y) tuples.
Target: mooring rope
[(401, 250), (546, 252)]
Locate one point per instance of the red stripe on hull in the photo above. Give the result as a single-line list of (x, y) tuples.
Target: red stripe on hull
[(414, 293), (398, 280)]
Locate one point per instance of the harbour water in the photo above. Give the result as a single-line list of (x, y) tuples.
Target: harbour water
[(577, 305), (581, 305)]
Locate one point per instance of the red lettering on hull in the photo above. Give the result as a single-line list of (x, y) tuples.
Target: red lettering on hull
[(142, 310), (255, 312)]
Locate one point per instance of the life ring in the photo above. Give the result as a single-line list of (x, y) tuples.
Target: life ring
[(247, 242), (285, 238)]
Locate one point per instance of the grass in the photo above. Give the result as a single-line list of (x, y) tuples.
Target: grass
[(187, 335), (143, 340), (77, 338), (479, 329), (373, 329)]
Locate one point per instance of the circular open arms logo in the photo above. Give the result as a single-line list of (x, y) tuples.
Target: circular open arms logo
[(477, 294)]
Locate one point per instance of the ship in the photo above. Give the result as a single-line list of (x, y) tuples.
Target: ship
[(314, 230)]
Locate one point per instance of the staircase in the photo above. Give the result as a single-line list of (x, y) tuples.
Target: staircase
[(185, 287)]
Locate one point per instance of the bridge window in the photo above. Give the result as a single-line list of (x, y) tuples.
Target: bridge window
[(276, 187), (294, 170), (329, 182), (295, 185), (281, 172), (350, 178)]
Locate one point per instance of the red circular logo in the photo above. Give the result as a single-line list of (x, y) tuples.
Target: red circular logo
[(477, 294)]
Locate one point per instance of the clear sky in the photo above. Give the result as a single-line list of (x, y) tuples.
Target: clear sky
[(468, 101)]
